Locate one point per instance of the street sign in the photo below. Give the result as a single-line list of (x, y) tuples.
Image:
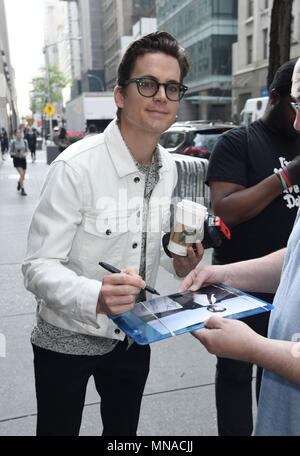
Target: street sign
[(264, 92), (49, 109)]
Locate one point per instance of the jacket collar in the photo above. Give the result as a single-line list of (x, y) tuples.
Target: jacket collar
[(119, 153)]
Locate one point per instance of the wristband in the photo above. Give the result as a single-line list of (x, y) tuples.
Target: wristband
[(287, 176), (282, 181)]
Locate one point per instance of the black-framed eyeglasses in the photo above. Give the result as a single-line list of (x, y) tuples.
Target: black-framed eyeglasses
[(148, 87), (295, 106)]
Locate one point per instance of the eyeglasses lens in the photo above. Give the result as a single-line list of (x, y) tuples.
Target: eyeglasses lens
[(296, 106), (149, 87)]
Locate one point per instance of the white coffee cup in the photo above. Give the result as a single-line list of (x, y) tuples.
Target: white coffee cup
[(188, 227)]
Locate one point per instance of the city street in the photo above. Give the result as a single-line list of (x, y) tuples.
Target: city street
[(215, 84), (179, 396)]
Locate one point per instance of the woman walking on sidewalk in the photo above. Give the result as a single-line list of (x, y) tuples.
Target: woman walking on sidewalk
[(18, 152)]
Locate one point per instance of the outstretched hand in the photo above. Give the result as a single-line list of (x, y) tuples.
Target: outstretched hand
[(228, 338), (204, 275)]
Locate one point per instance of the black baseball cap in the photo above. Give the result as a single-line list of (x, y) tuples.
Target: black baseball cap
[(282, 81)]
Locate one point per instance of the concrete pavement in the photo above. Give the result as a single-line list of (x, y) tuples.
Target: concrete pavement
[(179, 396)]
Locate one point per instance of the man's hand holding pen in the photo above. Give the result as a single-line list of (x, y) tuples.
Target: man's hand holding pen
[(119, 292)]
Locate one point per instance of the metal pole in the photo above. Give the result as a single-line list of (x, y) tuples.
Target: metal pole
[(48, 87)]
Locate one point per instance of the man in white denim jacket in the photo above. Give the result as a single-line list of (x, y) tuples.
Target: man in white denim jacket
[(105, 199)]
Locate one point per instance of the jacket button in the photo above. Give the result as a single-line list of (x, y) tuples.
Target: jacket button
[(134, 246), (108, 232), (137, 180), (117, 331)]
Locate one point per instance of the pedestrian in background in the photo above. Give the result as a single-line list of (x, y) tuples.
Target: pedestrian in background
[(18, 152), (54, 135), (261, 214), (91, 131), (4, 142), (79, 221), (31, 139), (62, 141)]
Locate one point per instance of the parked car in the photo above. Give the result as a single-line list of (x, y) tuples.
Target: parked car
[(194, 138)]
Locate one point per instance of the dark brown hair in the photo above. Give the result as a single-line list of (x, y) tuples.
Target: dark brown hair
[(154, 42)]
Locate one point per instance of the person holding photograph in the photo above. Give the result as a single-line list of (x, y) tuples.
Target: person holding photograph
[(248, 193), (278, 407)]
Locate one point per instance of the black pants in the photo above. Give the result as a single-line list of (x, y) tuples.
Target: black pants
[(33, 151), (234, 385), (61, 382)]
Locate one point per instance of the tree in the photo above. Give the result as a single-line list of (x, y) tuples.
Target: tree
[(280, 36), (40, 94)]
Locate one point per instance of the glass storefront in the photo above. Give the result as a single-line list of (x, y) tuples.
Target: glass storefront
[(207, 29), (211, 56)]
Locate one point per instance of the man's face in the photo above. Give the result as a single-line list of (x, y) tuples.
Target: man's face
[(297, 119), (152, 115), (296, 94), (285, 116), (295, 91)]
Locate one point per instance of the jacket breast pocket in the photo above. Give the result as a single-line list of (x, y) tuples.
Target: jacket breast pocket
[(106, 225), (105, 236)]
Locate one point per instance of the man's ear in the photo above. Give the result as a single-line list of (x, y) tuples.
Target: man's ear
[(119, 96), (274, 97)]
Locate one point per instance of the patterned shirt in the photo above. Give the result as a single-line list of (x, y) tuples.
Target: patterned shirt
[(61, 340)]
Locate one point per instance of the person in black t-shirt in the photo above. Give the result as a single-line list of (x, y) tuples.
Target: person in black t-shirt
[(253, 198)]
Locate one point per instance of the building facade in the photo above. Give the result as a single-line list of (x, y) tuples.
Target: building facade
[(8, 99), (62, 47), (119, 18), (251, 52), (90, 13), (91, 36), (206, 29), (74, 42)]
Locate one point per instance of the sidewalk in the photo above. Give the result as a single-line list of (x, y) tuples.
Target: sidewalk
[(179, 395)]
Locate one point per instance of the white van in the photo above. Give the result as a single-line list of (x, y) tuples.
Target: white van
[(253, 110)]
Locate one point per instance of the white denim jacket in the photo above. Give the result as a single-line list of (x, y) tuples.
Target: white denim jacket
[(90, 210)]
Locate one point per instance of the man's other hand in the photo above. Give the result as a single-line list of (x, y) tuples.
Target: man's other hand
[(184, 265)]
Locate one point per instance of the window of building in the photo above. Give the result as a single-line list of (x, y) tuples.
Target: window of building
[(266, 4), (249, 49), (224, 8), (250, 8), (265, 44), (221, 54), (293, 38)]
